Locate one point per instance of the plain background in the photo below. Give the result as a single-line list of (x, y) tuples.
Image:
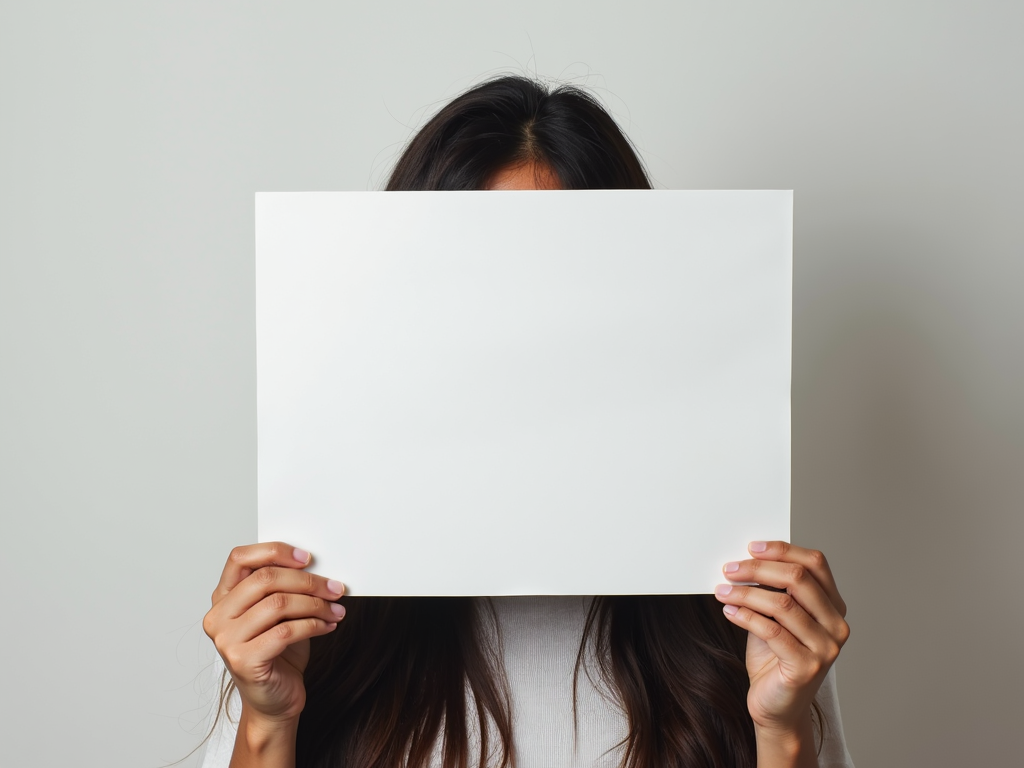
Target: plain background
[(133, 136)]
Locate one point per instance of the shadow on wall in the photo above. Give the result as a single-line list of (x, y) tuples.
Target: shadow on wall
[(907, 459)]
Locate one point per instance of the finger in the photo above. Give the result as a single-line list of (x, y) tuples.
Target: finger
[(798, 661), (799, 582), (811, 559), (784, 608), (270, 580), (244, 560), (277, 608), (272, 643)]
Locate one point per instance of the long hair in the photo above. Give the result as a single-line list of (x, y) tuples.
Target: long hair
[(401, 676)]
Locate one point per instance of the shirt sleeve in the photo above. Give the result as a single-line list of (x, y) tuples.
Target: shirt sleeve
[(834, 753), (222, 741)]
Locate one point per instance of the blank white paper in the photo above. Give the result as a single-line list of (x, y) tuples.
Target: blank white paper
[(511, 392)]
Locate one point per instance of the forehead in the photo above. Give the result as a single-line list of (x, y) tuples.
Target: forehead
[(528, 175)]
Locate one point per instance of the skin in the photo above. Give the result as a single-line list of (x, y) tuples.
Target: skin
[(528, 175), (793, 638), (266, 607)]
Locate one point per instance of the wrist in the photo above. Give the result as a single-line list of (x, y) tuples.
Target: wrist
[(786, 746), (259, 736)]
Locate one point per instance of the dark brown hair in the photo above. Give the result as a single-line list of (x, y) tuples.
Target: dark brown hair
[(392, 680), (510, 120)]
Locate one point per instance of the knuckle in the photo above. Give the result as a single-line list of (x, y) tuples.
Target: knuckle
[(844, 632), (284, 631), (814, 666), (319, 605), (238, 554), (274, 552), (797, 573), (309, 582), (222, 649), (208, 625), (232, 658), (277, 602), (832, 651), (784, 602), (265, 575), (773, 631), (817, 558)]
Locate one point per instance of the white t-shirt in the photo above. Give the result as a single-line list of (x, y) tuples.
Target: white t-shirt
[(541, 636)]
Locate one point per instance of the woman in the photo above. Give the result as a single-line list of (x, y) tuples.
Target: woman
[(738, 679)]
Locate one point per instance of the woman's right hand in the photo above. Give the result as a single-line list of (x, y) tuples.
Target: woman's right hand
[(265, 609)]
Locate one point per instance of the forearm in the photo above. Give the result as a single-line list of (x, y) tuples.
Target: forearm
[(263, 744), (787, 749)]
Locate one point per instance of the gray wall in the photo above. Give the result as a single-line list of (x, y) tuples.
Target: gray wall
[(133, 136)]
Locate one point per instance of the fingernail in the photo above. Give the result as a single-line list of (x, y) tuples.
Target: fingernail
[(335, 586), (338, 609), (723, 589), (758, 546), (301, 555), (731, 609), (731, 567)]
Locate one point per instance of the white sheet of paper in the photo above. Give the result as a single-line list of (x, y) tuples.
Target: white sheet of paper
[(508, 392)]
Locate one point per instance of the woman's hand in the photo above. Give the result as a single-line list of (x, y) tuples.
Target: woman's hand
[(794, 635), (265, 609)]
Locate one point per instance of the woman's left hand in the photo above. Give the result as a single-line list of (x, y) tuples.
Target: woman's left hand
[(794, 635)]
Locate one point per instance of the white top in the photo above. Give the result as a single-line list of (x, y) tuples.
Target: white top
[(541, 636)]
